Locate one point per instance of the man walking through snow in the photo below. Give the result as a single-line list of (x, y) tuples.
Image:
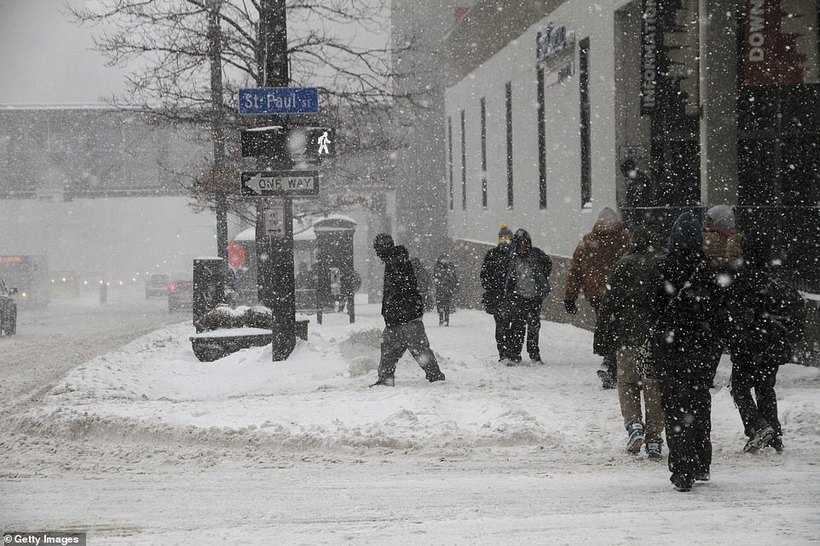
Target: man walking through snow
[(592, 264), (402, 309), (526, 284)]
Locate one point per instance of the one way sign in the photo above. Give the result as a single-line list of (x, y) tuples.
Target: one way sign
[(280, 183)]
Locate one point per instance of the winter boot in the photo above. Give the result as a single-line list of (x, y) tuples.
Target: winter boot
[(654, 450), (682, 483), (607, 381), (776, 443), (434, 374), (636, 438), (702, 476), (760, 439), (387, 381)]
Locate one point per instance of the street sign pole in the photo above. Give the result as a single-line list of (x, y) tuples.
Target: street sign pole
[(275, 255)]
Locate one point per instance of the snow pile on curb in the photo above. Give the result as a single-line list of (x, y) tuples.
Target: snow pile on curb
[(319, 397)]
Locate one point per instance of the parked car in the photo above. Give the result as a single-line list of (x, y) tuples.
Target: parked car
[(180, 295), (8, 310), (157, 285)]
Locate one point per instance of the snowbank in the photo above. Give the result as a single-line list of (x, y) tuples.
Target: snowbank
[(319, 398)]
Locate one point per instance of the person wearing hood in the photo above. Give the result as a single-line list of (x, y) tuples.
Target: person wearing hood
[(623, 327), (722, 245), (402, 309), (445, 281), (767, 319), (493, 273), (526, 284), (685, 336), (592, 264)]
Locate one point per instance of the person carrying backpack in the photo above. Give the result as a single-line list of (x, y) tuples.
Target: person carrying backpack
[(766, 320), (685, 336), (526, 284), (625, 322)]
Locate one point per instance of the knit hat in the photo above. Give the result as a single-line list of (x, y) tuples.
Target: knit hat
[(382, 240), (720, 218), (686, 233), (505, 235)]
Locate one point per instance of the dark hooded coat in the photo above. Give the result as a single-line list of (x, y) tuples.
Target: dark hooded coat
[(766, 313), (541, 264), (401, 300), (687, 301), (625, 317)]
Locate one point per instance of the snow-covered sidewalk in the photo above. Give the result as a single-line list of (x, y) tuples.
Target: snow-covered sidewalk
[(537, 433)]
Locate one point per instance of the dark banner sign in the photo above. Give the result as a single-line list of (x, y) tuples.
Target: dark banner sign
[(777, 47), (650, 47)]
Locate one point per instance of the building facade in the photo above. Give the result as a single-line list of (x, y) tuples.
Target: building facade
[(717, 101)]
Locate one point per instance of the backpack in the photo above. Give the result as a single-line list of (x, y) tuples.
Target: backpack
[(784, 308)]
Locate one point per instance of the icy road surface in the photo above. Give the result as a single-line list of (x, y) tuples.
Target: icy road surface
[(51, 341), (145, 445)]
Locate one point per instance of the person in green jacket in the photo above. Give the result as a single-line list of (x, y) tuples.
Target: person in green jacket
[(624, 324)]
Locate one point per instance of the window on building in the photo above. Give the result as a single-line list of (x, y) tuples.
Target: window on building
[(542, 142), (509, 146), (463, 163), (450, 157), (586, 166), (483, 153)]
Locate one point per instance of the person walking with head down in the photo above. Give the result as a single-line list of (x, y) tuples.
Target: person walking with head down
[(685, 336), (493, 273), (624, 325), (592, 264), (767, 320), (402, 309), (525, 286)]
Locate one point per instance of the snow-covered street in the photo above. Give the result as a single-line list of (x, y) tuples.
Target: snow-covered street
[(145, 445)]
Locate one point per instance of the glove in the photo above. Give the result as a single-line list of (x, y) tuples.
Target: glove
[(570, 306)]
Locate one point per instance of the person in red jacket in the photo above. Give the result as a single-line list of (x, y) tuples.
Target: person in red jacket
[(592, 263)]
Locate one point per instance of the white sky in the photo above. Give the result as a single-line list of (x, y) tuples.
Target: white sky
[(45, 59)]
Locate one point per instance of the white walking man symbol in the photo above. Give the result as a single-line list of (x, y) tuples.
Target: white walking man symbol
[(323, 141)]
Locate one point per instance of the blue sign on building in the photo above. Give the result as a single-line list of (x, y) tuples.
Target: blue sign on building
[(279, 100)]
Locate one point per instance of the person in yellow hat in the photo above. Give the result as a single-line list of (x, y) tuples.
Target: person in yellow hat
[(493, 271)]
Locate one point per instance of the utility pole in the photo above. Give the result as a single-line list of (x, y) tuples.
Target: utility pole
[(275, 254), (218, 125)]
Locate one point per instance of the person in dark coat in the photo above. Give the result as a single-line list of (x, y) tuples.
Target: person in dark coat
[(526, 284), (685, 337), (351, 282), (402, 309), (639, 195), (423, 280), (624, 325), (767, 317), (446, 282), (493, 273)]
